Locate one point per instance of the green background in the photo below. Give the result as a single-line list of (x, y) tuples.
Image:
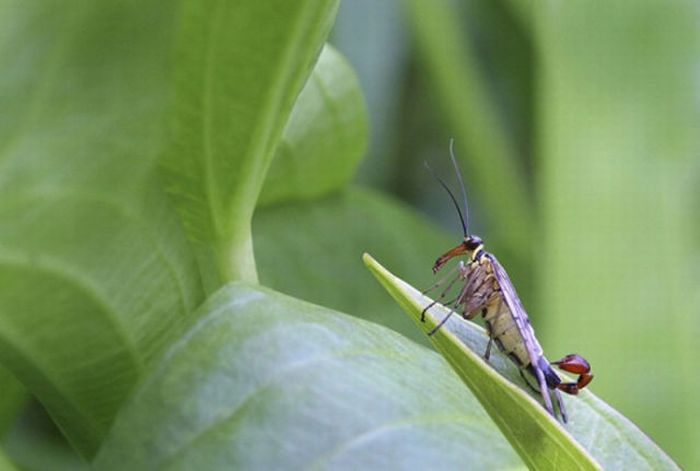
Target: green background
[(577, 125)]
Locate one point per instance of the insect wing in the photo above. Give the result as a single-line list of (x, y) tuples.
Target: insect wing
[(534, 350), (517, 309)]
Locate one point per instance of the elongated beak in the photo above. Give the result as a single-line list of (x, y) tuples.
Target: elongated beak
[(453, 252)]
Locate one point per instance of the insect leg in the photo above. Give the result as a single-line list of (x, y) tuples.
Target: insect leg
[(472, 295), (487, 354), (545, 393), (560, 404), (543, 390), (455, 302), (441, 280), (478, 293), (463, 272), (442, 322), (499, 313)]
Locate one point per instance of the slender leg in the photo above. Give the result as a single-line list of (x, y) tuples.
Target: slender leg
[(462, 274), (441, 280), (544, 391), (448, 303), (471, 296), (465, 272), (454, 303), (487, 354), (557, 396), (560, 404), (442, 322)]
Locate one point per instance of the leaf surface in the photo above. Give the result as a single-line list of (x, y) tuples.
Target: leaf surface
[(12, 399), (263, 381), (94, 266), (596, 435), (239, 67), (324, 138)]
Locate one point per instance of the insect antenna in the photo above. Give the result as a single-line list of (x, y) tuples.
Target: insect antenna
[(452, 197), (461, 186)]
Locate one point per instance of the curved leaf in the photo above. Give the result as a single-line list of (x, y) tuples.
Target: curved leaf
[(239, 67), (329, 119), (94, 267), (595, 433), (263, 381)]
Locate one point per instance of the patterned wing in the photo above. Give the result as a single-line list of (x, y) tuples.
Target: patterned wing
[(517, 310)]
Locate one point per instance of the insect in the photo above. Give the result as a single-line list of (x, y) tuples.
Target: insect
[(488, 291)]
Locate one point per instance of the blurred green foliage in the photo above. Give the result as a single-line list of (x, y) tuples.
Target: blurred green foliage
[(596, 110), (575, 124)]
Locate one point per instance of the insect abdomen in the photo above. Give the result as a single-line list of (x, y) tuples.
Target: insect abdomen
[(506, 334)]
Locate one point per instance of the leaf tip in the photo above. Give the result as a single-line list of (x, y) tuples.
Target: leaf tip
[(376, 268)]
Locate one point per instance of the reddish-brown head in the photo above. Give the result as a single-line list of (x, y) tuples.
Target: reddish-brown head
[(468, 246)]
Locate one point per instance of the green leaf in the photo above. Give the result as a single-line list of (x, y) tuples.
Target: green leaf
[(94, 266), (12, 398), (311, 250), (239, 67), (35, 444), (596, 435), (262, 381), (329, 119), (380, 70)]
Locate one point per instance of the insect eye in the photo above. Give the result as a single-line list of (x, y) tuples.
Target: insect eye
[(473, 242)]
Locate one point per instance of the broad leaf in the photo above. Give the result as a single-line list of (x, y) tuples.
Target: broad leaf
[(325, 136), (94, 267), (238, 70), (263, 381), (596, 435)]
